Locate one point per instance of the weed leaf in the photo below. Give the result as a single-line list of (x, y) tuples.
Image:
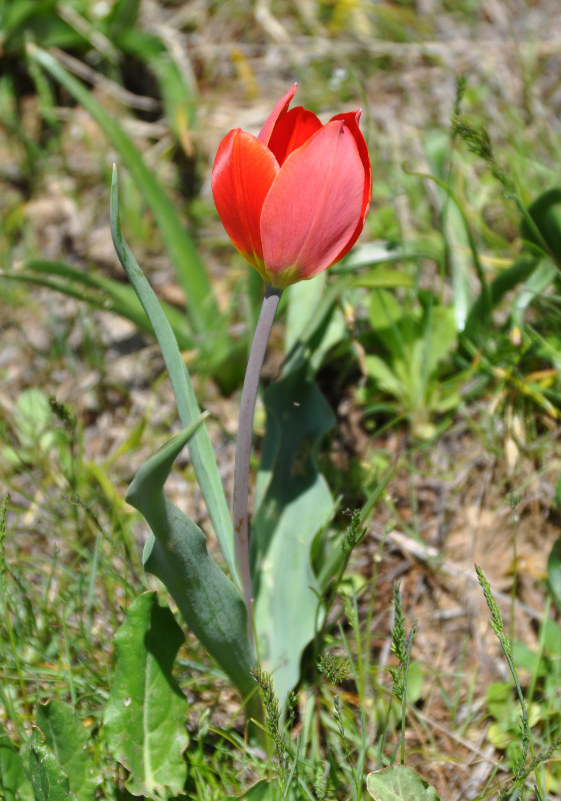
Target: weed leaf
[(145, 715), (399, 783), (14, 786), (49, 781), (68, 740)]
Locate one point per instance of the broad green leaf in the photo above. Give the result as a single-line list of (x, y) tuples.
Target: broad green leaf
[(554, 573), (294, 505), (191, 273), (48, 779), (145, 716), (68, 740), (200, 447), (399, 783), (14, 785), (378, 370), (177, 554), (440, 339)]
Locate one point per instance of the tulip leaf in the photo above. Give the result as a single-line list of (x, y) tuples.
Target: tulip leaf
[(145, 716), (293, 505), (14, 785), (48, 779), (177, 554), (200, 447), (68, 740), (399, 783)]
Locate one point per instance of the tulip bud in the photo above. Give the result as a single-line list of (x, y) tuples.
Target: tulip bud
[(294, 199)]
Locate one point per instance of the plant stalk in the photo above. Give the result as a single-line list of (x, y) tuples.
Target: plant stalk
[(243, 447)]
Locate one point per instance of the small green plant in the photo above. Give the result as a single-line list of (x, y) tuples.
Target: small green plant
[(415, 342)]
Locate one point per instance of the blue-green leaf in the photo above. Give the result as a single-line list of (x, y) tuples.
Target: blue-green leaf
[(294, 505), (177, 554), (200, 448)]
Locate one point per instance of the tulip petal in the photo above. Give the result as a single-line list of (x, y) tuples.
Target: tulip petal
[(291, 131), (244, 169), (279, 110), (351, 120), (314, 206)]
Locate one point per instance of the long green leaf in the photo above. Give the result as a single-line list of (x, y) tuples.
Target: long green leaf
[(201, 303), (294, 505), (200, 448), (177, 554), (145, 716)]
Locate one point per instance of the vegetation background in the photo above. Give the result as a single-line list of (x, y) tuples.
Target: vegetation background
[(441, 363)]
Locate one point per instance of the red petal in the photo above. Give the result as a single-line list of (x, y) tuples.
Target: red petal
[(244, 169), (351, 120), (279, 110), (291, 131), (314, 206)]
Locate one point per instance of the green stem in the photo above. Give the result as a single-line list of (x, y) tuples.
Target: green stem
[(243, 447)]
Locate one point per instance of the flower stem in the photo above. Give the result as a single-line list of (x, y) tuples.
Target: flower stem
[(243, 447)]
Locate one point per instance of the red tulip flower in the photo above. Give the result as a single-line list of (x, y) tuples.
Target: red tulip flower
[(293, 200)]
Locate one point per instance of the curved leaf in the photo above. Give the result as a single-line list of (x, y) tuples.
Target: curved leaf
[(200, 448), (177, 554)]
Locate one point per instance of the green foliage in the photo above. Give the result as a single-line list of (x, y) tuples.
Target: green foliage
[(177, 554), (293, 505), (544, 707), (415, 343), (399, 783), (66, 737), (14, 783), (49, 781), (145, 716)]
